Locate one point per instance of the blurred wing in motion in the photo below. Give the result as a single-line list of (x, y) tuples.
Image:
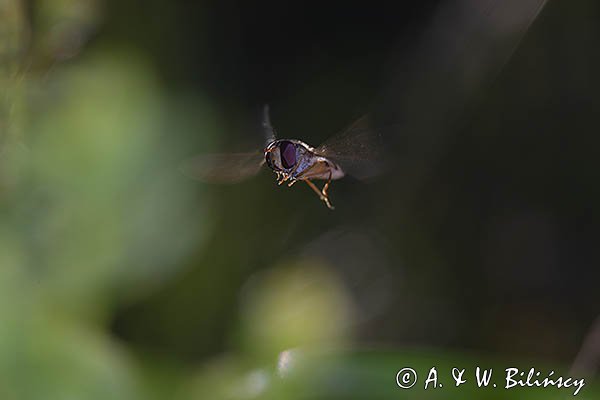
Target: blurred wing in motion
[(223, 168), (270, 135), (358, 149)]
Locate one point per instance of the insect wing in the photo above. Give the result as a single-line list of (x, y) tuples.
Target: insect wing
[(358, 149), (268, 130), (223, 168)]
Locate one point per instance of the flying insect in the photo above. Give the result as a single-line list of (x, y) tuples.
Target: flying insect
[(354, 151)]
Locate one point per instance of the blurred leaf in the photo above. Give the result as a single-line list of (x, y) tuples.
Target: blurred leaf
[(301, 303), (93, 204)]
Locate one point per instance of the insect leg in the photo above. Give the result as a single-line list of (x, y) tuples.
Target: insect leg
[(324, 192), (319, 193), (314, 188), (282, 178), (326, 186)]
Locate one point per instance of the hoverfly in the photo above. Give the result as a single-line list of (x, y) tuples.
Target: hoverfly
[(354, 151)]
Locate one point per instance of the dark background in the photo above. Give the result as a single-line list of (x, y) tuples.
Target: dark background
[(122, 278), (497, 244)]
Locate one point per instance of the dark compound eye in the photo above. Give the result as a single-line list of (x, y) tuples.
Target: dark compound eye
[(288, 154)]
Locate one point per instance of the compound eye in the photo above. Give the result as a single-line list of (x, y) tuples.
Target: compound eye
[(288, 154), (269, 160)]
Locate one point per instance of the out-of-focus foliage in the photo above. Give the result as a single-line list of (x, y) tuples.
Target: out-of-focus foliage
[(92, 211), (297, 305), (95, 219), (63, 26)]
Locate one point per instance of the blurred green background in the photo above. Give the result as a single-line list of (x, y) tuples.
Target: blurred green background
[(120, 278)]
